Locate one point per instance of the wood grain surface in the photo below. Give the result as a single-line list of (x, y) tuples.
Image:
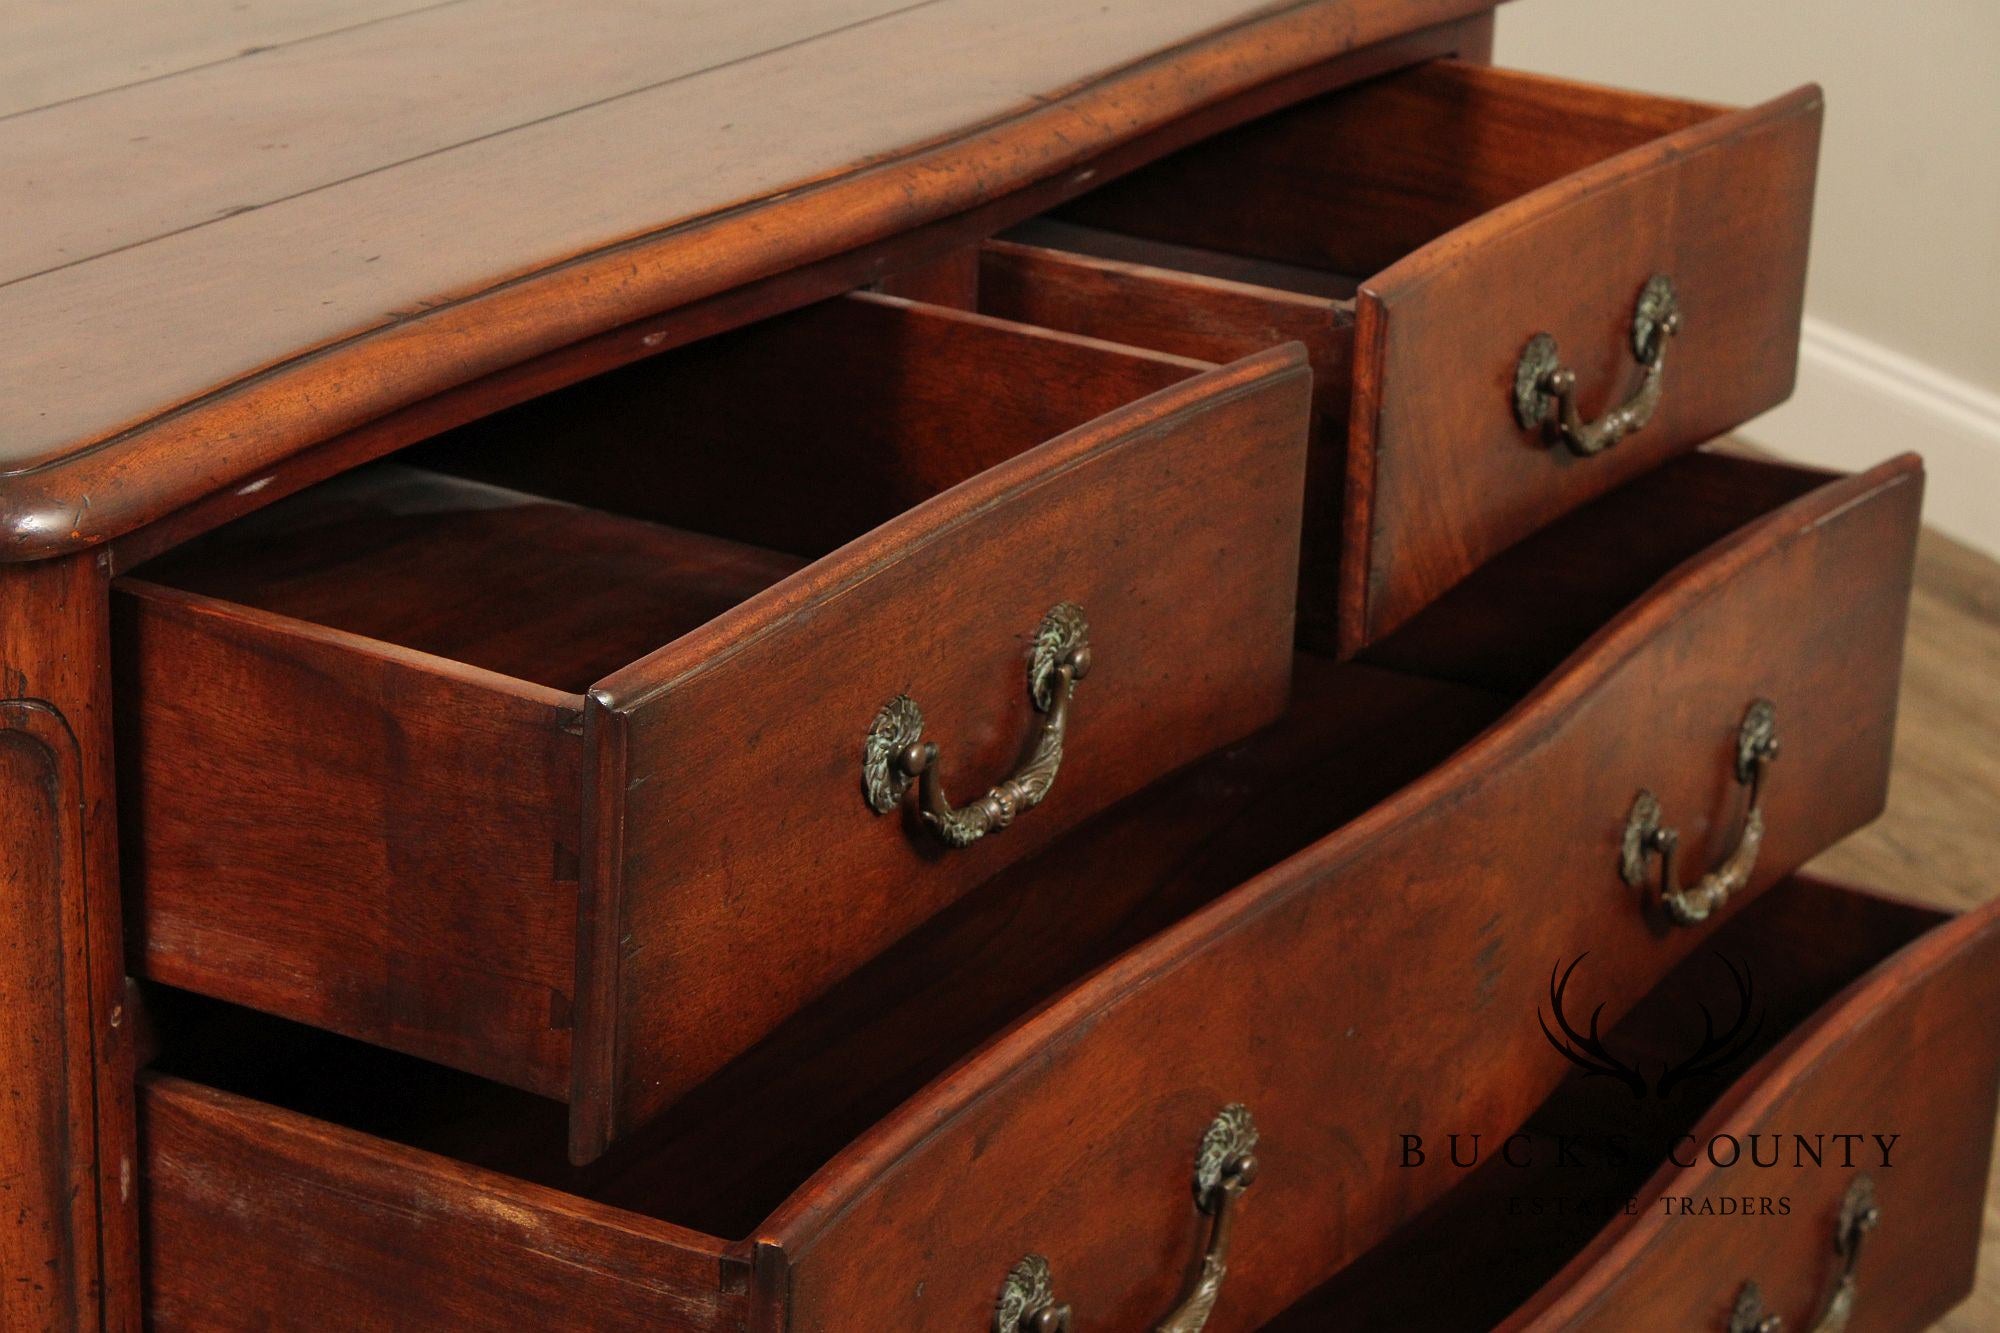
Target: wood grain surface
[(260, 1219), (1444, 191), (68, 1210), (59, 53), (1936, 843), (1939, 839), (393, 855), (447, 665), (1173, 524), (1202, 303), (1910, 1050), (1862, 1023), (263, 306), (718, 1161), (1206, 1012)]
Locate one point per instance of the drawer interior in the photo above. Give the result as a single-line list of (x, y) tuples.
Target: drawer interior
[(563, 539), (1315, 198), (1518, 616), (731, 1151), (1507, 1229)]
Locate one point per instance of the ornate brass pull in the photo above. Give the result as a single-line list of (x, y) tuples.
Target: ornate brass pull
[(1545, 389), (1225, 1165), (1859, 1214), (1756, 747), (895, 754)]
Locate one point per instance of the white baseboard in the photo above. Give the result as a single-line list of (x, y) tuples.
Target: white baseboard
[(1858, 402)]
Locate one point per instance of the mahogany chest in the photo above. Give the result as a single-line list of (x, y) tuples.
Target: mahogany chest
[(854, 665)]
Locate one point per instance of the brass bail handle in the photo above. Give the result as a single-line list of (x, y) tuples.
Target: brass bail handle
[(1859, 1215), (1545, 389), (1225, 1165), (895, 755), (1646, 837)]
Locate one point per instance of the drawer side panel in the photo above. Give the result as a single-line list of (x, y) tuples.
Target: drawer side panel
[(348, 835)]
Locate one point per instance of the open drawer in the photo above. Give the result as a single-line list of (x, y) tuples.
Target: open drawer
[(1343, 926), (1455, 243), (578, 748), (1811, 1147)]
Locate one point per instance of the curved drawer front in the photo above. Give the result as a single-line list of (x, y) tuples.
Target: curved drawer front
[(1387, 980), (739, 868), (257, 1218), (1882, 1231), (1444, 472), (1459, 244), (931, 587)]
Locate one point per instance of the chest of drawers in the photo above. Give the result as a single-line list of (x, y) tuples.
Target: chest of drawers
[(939, 667)]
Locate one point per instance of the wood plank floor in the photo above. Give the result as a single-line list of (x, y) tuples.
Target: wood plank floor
[(1940, 840)]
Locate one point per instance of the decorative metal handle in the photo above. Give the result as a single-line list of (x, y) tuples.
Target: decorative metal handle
[(1859, 1214), (895, 754), (1225, 1165), (1545, 389), (1645, 837)]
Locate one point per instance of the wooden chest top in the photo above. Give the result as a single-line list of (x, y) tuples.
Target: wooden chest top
[(239, 232)]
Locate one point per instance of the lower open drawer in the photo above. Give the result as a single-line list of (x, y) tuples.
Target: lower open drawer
[(1795, 1125), (1798, 1121)]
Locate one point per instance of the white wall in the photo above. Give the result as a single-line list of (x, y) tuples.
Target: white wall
[(1902, 339)]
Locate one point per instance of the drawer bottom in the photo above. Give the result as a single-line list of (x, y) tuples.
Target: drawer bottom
[(1830, 1053)]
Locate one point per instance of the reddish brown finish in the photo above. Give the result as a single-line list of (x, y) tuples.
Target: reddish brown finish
[(804, 432), (443, 816), (1153, 295), (68, 1213), (1910, 1049), (376, 1236), (452, 568), (952, 279), (395, 858), (641, 338), (1072, 1133), (50, 1244), (1866, 1018), (310, 732), (1515, 618), (1367, 174), (721, 1159), (1427, 924), (1723, 208), (538, 274), (1173, 524), (1496, 205)]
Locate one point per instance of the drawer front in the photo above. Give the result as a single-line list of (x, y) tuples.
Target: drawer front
[(1442, 471), (258, 1218), (1387, 978), (735, 863), (1908, 1059), (1466, 229)]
